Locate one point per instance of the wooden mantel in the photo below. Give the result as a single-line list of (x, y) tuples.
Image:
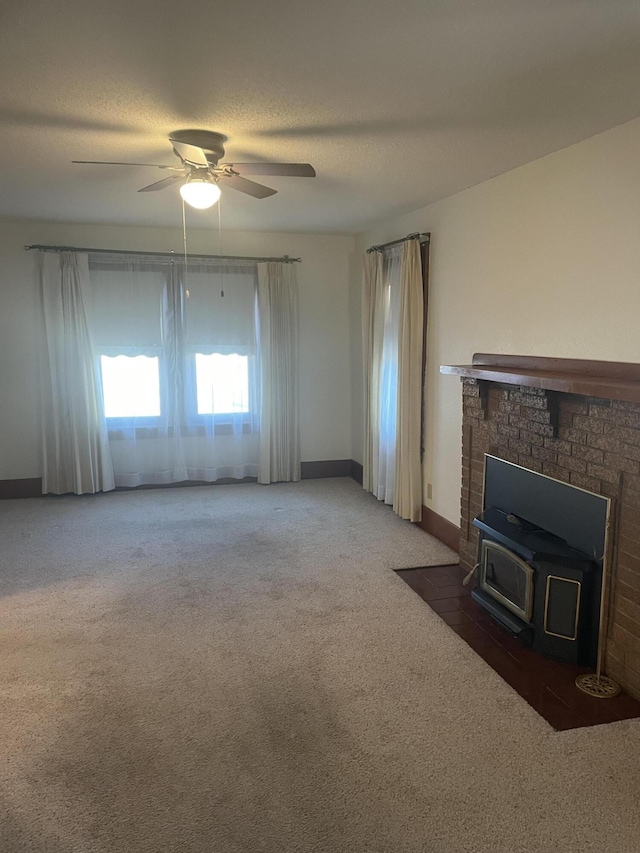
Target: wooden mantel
[(613, 380)]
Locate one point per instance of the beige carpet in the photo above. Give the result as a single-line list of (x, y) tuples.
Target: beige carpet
[(236, 669)]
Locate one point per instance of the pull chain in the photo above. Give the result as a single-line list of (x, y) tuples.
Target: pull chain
[(184, 243), (220, 248)]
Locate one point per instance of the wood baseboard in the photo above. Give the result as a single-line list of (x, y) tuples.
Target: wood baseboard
[(29, 488), (356, 471), (325, 468), (442, 529), (223, 481), (32, 487)]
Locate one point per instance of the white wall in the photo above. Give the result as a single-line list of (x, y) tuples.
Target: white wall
[(544, 260), (323, 277)]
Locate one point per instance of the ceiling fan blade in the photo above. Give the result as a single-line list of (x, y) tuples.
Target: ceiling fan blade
[(244, 186), (190, 153), (111, 163), (291, 170), (160, 185)]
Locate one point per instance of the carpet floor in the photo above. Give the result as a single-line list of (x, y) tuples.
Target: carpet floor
[(236, 668)]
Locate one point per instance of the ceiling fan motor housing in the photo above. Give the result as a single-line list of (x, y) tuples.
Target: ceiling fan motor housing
[(211, 142)]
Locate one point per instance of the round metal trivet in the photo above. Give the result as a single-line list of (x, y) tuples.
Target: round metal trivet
[(600, 686)]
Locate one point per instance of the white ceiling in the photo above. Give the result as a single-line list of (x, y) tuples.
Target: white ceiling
[(396, 104)]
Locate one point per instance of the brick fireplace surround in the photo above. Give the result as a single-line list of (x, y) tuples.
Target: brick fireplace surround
[(578, 422)]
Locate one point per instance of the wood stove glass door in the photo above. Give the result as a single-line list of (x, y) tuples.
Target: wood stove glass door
[(507, 578)]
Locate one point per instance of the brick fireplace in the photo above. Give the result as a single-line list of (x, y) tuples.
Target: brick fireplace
[(577, 422)]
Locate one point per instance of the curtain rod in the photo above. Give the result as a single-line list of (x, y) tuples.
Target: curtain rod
[(423, 236), (284, 260)]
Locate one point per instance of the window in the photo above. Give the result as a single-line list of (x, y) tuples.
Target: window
[(220, 341), (173, 356), (126, 304), (131, 386), (222, 383), (195, 358), (220, 393)]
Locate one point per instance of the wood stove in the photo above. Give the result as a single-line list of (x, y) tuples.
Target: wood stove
[(537, 587)]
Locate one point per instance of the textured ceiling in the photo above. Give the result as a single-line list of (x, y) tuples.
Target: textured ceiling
[(396, 104)]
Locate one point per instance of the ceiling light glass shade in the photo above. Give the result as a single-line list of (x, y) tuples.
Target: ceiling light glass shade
[(200, 193)]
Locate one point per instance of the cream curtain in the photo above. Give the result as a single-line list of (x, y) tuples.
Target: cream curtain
[(386, 350), (75, 448), (393, 320), (407, 500), (372, 325), (186, 420), (279, 458)]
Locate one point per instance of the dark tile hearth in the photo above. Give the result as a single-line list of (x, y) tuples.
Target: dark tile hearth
[(547, 685)]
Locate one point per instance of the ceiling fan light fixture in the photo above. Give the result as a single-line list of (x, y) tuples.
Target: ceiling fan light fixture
[(200, 192)]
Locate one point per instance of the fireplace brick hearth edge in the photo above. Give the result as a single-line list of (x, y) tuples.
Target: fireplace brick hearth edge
[(592, 442)]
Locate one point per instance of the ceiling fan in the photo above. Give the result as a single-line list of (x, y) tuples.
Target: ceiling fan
[(200, 174)]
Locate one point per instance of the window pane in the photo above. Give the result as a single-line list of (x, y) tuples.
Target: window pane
[(222, 383), (131, 386)]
